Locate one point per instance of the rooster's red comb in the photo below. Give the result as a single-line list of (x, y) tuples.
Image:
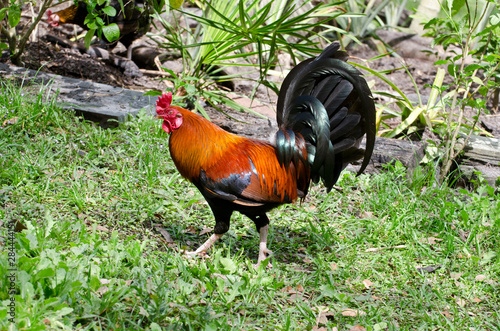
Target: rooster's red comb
[(163, 103)]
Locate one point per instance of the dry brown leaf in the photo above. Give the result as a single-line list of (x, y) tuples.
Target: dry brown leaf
[(460, 302), (374, 297), (104, 281), (477, 300), (367, 214), (307, 260), (368, 283), (376, 249), (310, 208), (128, 282), (430, 240), (190, 229), (333, 266), (143, 311), (11, 121), (357, 328), (352, 312), (446, 313), (456, 275), (480, 278), (102, 228), (316, 328), (463, 256), (301, 249), (300, 288), (101, 290), (205, 230), (471, 313), (166, 235)]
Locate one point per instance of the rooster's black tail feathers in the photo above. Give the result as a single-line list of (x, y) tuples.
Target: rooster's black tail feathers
[(329, 104)]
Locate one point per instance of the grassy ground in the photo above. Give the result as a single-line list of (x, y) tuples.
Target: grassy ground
[(381, 251)]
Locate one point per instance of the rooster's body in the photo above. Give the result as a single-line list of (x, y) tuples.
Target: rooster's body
[(324, 110)]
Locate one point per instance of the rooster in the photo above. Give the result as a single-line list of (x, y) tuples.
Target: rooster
[(324, 109)]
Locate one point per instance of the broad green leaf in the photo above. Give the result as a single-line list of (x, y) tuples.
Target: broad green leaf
[(477, 80), (110, 11), (111, 32), (64, 311), (88, 37), (14, 15), (2, 13), (228, 265), (45, 273), (176, 4), (4, 46), (153, 93), (472, 67)]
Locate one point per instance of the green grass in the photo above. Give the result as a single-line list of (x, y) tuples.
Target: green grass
[(92, 258)]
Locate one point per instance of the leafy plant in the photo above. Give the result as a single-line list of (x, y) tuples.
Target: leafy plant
[(363, 18), (472, 83), (10, 16), (241, 33)]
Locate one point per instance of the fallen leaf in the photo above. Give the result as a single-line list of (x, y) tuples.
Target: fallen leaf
[(430, 240), (300, 288), (104, 281), (128, 282), (102, 228), (101, 290), (166, 235), (456, 275), (190, 229), (205, 230), (323, 317), (464, 235), (367, 214), (316, 328), (376, 249), (301, 249), (460, 302), (307, 260), (333, 266), (352, 312), (480, 278), (471, 313), (143, 311), (446, 313), (11, 121), (374, 297), (357, 328), (368, 283), (429, 269), (477, 300)]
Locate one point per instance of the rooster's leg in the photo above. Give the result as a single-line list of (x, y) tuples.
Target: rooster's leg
[(264, 253), (202, 250)]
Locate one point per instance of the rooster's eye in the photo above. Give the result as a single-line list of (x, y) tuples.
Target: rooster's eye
[(170, 112)]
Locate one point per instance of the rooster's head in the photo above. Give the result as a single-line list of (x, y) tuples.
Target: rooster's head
[(171, 116)]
